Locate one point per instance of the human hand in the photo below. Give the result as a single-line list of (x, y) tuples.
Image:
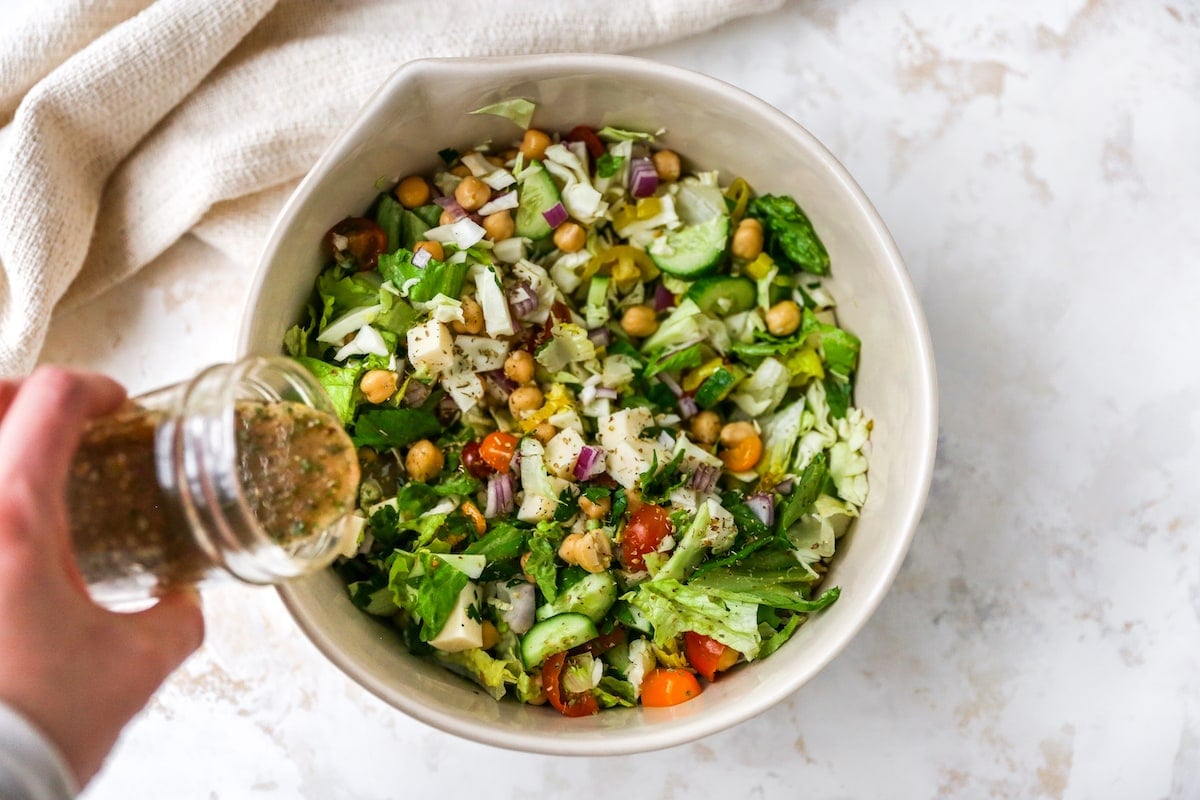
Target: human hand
[(77, 671)]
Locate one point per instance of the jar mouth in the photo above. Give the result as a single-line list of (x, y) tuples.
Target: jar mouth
[(211, 446)]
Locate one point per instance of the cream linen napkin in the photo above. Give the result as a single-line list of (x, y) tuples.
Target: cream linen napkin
[(128, 123)]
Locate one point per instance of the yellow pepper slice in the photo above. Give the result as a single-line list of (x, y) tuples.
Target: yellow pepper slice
[(739, 192), (557, 399)]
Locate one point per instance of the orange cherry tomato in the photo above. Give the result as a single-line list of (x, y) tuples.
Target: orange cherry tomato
[(570, 705), (668, 687), (744, 454), (360, 237), (497, 450), (644, 532), (706, 655)]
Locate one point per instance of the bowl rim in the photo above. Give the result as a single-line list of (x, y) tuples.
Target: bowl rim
[(670, 732)]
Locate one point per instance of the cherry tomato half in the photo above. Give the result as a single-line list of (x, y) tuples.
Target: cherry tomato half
[(582, 133), (473, 463), (644, 532), (668, 687), (497, 450), (706, 655), (571, 705), (362, 238)]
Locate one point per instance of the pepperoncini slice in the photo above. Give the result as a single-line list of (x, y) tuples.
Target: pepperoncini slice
[(739, 193)]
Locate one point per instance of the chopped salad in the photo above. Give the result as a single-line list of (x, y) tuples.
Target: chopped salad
[(604, 414)]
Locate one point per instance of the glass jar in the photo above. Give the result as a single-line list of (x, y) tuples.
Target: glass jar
[(244, 471)]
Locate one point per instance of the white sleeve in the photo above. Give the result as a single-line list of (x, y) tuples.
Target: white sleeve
[(31, 767)]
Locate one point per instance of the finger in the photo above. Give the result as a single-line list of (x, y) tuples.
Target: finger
[(175, 628), (40, 432)]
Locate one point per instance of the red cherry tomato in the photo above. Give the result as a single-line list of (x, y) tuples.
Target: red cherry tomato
[(668, 687), (706, 655), (645, 531), (473, 463), (582, 133), (360, 237), (497, 450), (569, 705)]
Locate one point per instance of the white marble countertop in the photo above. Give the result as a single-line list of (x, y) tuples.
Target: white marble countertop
[(1039, 168)]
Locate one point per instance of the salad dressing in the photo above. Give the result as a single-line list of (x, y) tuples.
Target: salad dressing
[(296, 467)]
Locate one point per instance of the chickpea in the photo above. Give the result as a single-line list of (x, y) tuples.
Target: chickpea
[(435, 249), (544, 432), (509, 154), (534, 144), (491, 636), (378, 385), (734, 432), (472, 321), (591, 550), (706, 427), (570, 237), (666, 164), (523, 400), (413, 191), (448, 217), (424, 461), (499, 225), (639, 321), (524, 563), (461, 170), (472, 512), (598, 509), (495, 161), (747, 239), (518, 366), (471, 193), (783, 318)]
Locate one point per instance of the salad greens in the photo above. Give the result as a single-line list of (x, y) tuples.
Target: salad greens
[(604, 414)]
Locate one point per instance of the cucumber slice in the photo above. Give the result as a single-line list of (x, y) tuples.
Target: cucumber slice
[(724, 294), (592, 595), (718, 386), (554, 635), (537, 193), (692, 251)]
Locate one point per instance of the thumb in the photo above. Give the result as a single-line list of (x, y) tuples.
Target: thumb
[(173, 627)]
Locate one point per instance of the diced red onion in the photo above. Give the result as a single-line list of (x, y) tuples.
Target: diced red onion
[(600, 337), (704, 479), (785, 487), (522, 299), (762, 505), (671, 384), (499, 495), (447, 410), (421, 258), (663, 299), (415, 393), (643, 179), (450, 204), (590, 463), (688, 407), (555, 215), (502, 382)]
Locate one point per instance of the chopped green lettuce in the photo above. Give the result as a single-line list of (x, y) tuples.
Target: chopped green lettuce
[(674, 608), (517, 109), (790, 237)]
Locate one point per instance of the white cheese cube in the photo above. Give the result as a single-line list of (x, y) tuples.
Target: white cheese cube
[(562, 452), (430, 347), (461, 631)]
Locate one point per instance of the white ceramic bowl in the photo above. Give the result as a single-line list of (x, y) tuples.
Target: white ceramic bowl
[(423, 108)]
